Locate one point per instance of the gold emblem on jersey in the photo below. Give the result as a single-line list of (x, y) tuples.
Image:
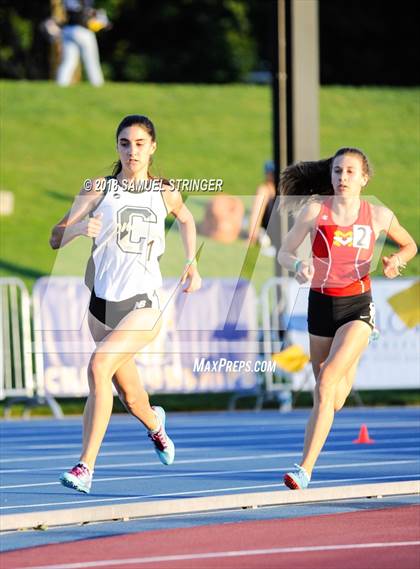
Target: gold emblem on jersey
[(343, 238)]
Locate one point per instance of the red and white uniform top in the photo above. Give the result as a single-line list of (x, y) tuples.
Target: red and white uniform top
[(342, 254)]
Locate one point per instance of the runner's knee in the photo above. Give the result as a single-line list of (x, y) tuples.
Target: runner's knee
[(99, 370), (326, 387)]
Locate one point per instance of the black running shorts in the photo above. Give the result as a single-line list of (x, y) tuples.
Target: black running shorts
[(326, 314), (111, 313)]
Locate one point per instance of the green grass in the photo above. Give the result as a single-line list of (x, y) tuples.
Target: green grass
[(54, 138), (385, 123)]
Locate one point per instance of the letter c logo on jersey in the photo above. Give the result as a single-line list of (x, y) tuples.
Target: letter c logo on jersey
[(132, 228)]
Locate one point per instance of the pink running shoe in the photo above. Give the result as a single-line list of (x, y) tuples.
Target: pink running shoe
[(79, 478), (164, 447)]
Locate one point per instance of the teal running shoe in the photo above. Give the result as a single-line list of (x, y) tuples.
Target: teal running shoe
[(79, 478), (297, 480), (164, 447)]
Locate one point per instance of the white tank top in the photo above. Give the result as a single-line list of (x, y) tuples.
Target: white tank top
[(127, 250)]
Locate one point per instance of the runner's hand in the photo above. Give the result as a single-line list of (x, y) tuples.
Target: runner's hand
[(191, 277), (305, 272), (391, 266), (92, 226)]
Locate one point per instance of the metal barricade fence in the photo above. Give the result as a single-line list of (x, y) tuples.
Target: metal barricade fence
[(273, 303), (15, 340), (280, 338)]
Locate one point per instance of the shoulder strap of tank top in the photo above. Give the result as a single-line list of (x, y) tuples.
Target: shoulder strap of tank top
[(323, 210), (365, 212), (105, 192)]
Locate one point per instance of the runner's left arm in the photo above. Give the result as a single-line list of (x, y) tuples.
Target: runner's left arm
[(186, 224), (393, 264)]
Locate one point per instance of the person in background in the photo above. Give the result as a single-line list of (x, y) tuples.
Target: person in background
[(262, 208), (78, 40)]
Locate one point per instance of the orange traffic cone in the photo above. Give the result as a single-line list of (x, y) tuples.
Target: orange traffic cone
[(363, 438)]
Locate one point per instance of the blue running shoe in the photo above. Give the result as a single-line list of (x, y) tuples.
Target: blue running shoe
[(164, 447), (297, 480), (79, 478)]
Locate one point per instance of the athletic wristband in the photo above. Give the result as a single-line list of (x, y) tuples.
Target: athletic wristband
[(190, 262), (296, 265), (401, 264)]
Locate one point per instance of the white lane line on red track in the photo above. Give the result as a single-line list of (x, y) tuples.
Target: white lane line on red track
[(278, 485), (224, 554)]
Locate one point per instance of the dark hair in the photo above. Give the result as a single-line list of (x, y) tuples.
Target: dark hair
[(314, 178), (131, 120)]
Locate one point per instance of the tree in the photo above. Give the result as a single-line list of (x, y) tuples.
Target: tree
[(185, 41)]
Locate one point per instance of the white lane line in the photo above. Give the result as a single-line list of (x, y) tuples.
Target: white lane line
[(186, 432), (280, 421), (278, 429), (141, 497), (378, 443), (142, 464), (151, 473), (59, 456), (219, 437), (55, 446), (189, 461), (226, 554), (219, 473), (277, 485)]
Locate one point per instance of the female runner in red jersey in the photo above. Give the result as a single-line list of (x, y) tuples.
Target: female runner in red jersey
[(343, 230)]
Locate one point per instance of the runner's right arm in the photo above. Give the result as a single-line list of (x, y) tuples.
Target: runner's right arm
[(77, 221), (304, 223)]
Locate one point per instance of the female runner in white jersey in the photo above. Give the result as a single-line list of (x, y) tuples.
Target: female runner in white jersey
[(343, 230), (126, 219)]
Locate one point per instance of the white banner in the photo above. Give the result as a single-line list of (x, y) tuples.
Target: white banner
[(390, 362), (214, 324)]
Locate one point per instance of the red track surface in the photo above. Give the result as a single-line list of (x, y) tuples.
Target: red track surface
[(375, 527)]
